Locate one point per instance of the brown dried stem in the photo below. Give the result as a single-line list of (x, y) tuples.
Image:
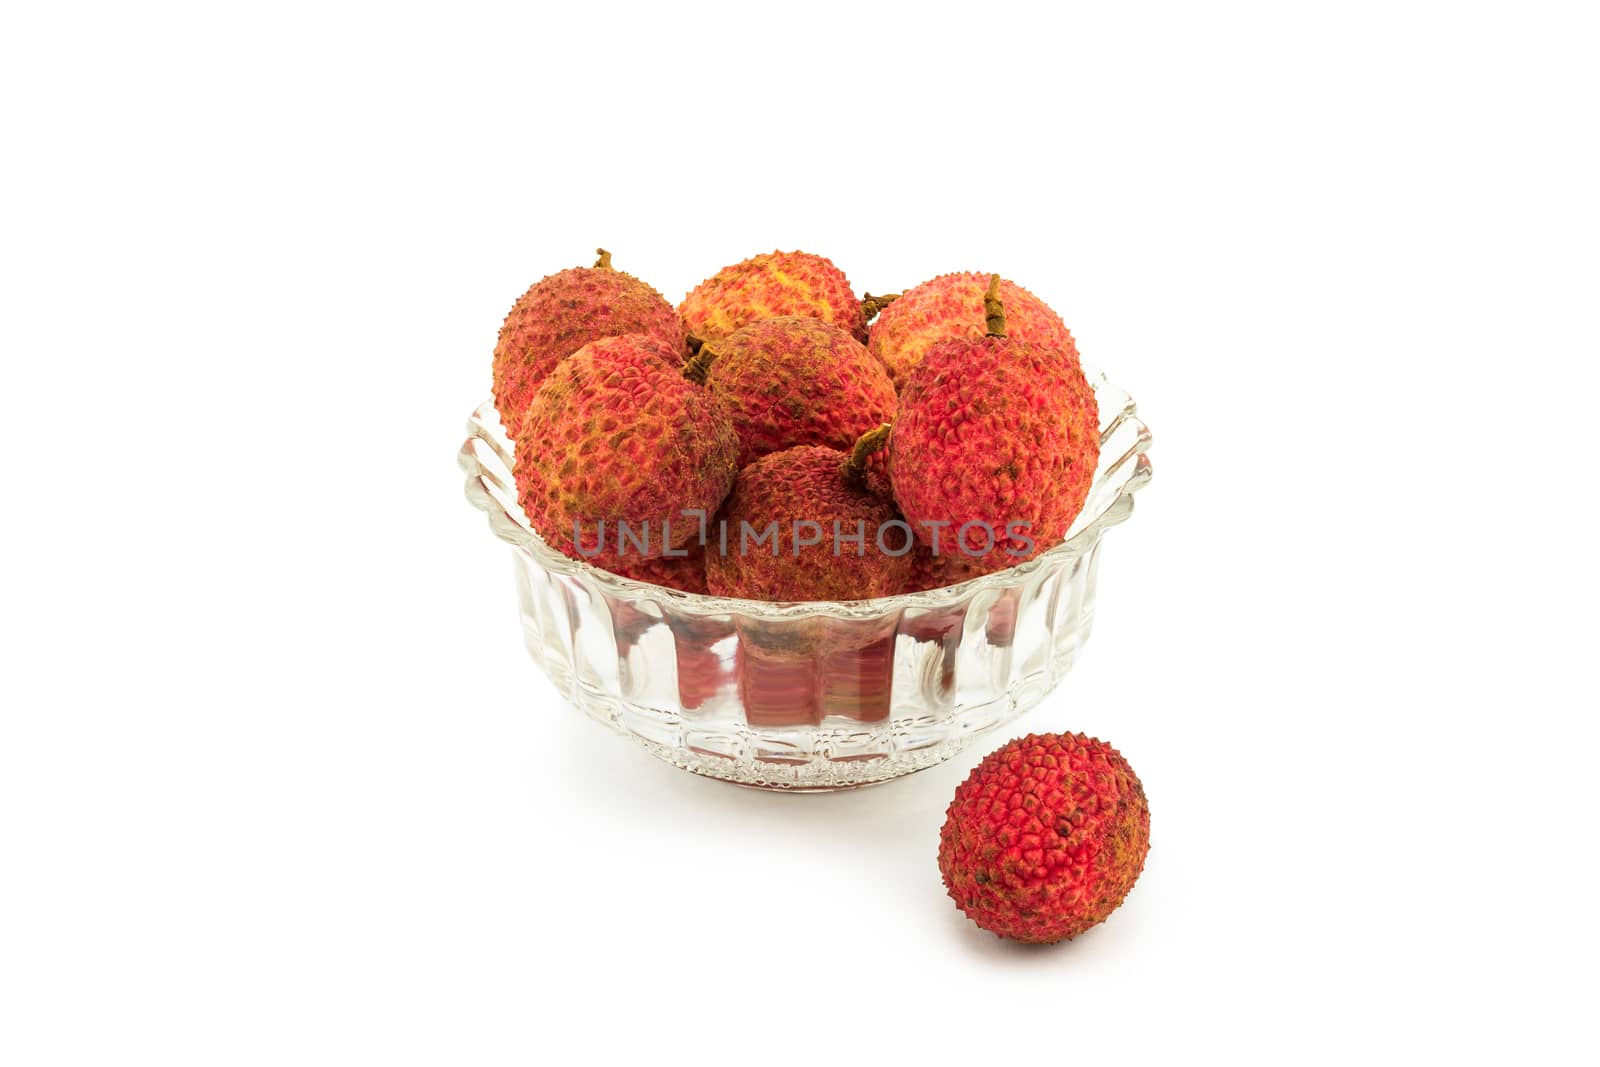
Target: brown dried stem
[(871, 305), (994, 315), (698, 368), (855, 468)]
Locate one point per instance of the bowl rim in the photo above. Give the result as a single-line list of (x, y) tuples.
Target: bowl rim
[(492, 491)]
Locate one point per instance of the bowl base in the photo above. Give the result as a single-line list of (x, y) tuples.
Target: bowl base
[(830, 776)]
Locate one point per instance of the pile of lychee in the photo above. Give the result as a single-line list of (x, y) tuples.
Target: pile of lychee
[(777, 437)]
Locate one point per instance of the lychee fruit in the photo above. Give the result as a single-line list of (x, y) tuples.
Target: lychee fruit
[(791, 381), (702, 668), (1045, 838), (937, 571), (685, 573), (616, 446), (769, 285), (564, 312), (801, 672), (629, 622), (801, 525), (995, 445), (951, 306)]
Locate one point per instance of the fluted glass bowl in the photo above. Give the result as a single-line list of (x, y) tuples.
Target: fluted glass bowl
[(810, 696)]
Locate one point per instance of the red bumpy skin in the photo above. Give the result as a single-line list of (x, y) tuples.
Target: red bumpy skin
[(999, 433), (769, 285), (937, 572), (805, 484), (1045, 837), (560, 315), (617, 433), (687, 573), (951, 306), (796, 381)]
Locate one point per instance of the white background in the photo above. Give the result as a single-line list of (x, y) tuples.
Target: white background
[(278, 783)]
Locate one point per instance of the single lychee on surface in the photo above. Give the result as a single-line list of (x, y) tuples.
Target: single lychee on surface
[(790, 381), (994, 446), (952, 306), (1045, 838), (562, 313), (617, 434), (829, 531), (770, 285)]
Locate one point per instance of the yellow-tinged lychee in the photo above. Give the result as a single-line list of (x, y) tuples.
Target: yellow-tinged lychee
[(616, 446), (562, 313), (793, 381), (769, 285), (951, 307)]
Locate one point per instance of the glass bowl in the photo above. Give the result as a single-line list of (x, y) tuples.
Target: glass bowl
[(819, 695)]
